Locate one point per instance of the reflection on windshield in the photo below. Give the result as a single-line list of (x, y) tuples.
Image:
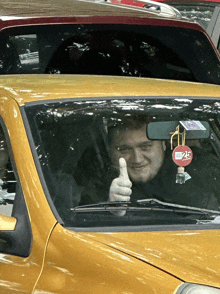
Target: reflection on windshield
[(197, 12), (94, 152)]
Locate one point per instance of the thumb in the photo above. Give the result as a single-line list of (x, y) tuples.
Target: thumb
[(123, 169)]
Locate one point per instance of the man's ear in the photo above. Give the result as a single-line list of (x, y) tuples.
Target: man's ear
[(164, 145)]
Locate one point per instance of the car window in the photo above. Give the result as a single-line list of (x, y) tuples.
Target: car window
[(124, 50), (27, 49), (199, 12), (7, 183), (79, 145), (7, 178)]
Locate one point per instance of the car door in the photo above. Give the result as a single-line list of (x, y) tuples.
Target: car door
[(23, 237), (17, 272)]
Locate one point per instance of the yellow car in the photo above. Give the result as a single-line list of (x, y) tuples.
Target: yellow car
[(109, 185)]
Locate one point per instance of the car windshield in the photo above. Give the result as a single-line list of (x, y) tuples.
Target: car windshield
[(128, 161), (125, 50)]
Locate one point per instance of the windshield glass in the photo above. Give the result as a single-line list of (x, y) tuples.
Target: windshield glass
[(124, 161), (125, 50)]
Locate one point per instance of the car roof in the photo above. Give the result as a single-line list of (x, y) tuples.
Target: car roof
[(32, 88), (31, 12), (31, 8), (191, 1)]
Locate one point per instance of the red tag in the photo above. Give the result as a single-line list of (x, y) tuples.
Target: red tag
[(182, 155)]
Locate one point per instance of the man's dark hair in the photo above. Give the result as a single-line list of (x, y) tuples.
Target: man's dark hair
[(126, 123)]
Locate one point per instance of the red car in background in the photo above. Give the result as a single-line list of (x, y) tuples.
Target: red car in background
[(105, 39)]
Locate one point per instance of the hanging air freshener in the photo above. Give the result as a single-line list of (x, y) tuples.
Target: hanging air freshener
[(182, 156)]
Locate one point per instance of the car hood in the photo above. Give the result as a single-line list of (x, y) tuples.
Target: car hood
[(192, 256)]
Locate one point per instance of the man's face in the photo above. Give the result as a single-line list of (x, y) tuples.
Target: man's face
[(144, 157)]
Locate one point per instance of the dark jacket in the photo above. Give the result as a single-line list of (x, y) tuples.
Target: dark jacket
[(201, 190)]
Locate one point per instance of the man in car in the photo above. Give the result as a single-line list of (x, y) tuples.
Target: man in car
[(146, 170)]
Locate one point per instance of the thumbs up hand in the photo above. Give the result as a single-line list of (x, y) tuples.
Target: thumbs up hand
[(120, 189)]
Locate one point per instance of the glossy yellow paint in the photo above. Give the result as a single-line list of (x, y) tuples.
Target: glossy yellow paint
[(77, 263), (140, 262), (193, 256), (40, 87), (7, 223)]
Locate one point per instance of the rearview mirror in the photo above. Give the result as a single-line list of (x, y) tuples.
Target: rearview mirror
[(164, 130)]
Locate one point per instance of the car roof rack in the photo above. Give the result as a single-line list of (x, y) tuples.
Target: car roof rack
[(161, 8), (154, 7)]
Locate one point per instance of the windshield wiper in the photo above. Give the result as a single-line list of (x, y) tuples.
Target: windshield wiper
[(153, 201), (117, 205), (144, 204)]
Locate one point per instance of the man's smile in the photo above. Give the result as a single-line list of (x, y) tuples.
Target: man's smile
[(139, 167)]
